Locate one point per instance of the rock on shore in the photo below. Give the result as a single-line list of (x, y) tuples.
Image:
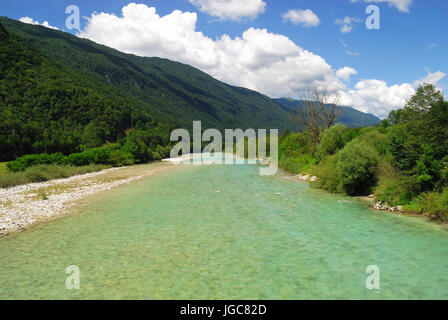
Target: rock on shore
[(307, 178), (383, 206)]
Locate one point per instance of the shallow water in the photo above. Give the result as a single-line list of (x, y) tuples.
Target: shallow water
[(224, 232)]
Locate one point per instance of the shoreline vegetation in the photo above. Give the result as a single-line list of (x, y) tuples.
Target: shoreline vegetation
[(402, 163), (24, 206)]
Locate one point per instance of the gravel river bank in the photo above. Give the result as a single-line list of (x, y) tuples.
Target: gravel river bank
[(23, 206)]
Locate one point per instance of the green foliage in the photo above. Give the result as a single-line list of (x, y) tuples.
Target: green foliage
[(3, 168), (374, 138), (404, 160), (427, 96), (333, 139), (294, 145), (297, 165), (394, 192), (435, 204), (110, 155), (357, 166), (328, 173), (92, 136), (27, 161)]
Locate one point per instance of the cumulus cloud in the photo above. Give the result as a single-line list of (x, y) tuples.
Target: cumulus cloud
[(345, 73), (231, 9), (431, 78), (259, 60), (347, 23), (401, 5), (306, 18), (32, 21), (376, 97)]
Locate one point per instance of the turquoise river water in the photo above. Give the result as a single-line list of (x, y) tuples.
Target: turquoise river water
[(225, 232)]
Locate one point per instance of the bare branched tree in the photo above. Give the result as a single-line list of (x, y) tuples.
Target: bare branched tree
[(319, 112)]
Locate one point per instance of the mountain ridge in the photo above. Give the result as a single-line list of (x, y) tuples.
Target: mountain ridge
[(349, 117), (62, 93)]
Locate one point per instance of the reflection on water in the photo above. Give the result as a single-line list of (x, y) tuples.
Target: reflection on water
[(200, 232)]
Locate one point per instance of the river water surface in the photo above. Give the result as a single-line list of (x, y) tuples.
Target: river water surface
[(225, 232)]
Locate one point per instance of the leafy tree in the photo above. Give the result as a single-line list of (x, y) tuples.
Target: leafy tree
[(427, 96), (92, 136), (357, 166), (333, 139)]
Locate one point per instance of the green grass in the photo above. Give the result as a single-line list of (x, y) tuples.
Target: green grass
[(3, 168), (43, 173)]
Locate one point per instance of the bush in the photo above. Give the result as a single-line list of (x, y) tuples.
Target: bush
[(328, 174), (436, 204), (110, 155), (393, 187), (119, 158), (20, 164), (357, 166), (394, 192), (374, 138), (300, 164), (333, 140)]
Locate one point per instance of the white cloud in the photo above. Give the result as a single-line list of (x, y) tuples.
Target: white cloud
[(431, 78), (345, 73), (259, 60), (347, 23), (306, 18), (352, 53), (32, 21), (401, 5), (231, 9), (376, 97)]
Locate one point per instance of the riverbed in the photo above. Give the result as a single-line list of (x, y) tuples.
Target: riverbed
[(225, 232)]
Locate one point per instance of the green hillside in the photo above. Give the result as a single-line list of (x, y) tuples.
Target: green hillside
[(349, 117), (181, 93), (60, 93)]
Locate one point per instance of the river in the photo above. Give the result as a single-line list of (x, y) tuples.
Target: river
[(225, 232)]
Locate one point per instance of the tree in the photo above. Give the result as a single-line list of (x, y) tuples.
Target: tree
[(357, 166), (319, 112), (333, 140), (92, 136), (427, 96)]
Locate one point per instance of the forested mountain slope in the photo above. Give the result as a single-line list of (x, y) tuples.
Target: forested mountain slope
[(62, 93)]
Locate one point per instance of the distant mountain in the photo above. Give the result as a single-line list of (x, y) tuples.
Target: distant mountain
[(350, 117), (59, 92)]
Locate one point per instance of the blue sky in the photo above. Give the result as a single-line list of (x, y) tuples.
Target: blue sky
[(410, 45)]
